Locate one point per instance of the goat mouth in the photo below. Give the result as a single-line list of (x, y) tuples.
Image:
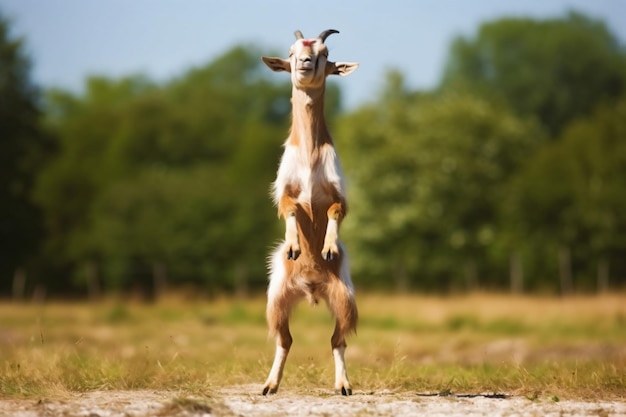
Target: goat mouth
[(305, 66)]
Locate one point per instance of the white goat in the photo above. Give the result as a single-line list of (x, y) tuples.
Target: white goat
[(310, 194)]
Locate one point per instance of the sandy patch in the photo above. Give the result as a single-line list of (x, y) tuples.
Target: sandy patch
[(246, 401)]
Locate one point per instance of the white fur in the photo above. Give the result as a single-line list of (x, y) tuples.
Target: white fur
[(295, 168), (341, 375), (290, 171), (332, 169), (276, 373), (277, 272)]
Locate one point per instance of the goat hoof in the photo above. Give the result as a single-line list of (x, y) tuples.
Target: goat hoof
[(346, 391), (293, 254), (328, 256), (268, 390)]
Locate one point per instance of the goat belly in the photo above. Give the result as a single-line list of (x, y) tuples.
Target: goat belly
[(311, 222), (311, 280)]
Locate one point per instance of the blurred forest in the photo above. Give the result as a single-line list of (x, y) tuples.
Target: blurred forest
[(510, 175)]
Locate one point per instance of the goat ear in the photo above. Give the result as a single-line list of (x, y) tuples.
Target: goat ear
[(341, 68), (277, 64)]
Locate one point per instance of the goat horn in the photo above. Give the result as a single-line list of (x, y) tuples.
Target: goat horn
[(327, 33), (298, 34)]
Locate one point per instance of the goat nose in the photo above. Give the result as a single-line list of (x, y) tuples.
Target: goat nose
[(306, 59)]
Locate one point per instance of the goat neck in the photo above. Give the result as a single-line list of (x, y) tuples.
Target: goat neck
[(308, 125)]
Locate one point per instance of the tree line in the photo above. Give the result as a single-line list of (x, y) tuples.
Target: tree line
[(508, 175)]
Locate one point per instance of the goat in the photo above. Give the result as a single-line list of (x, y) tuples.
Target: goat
[(309, 192)]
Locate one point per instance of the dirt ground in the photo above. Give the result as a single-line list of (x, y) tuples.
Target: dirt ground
[(246, 401)]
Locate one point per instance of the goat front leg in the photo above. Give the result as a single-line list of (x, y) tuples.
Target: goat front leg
[(287, 208), (335, 214)]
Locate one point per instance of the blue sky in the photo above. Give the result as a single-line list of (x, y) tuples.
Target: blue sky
[(71, 39)]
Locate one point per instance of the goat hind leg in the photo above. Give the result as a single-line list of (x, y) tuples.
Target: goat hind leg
[(338, 343), (278, 309), (283, 343), (343, 306)]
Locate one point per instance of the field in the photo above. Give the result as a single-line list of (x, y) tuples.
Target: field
[(185, 355)]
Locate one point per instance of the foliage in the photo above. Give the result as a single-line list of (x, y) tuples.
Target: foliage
[(173, 174), (469, 190), (22, 150), (511, 171), (570, 194), (441, 165), (554, 70)]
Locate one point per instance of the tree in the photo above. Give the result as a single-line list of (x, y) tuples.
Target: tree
[(22, 149), (87, 159), (600, 141), (170, 178), (555, 70), (427, 175), (569, 203)]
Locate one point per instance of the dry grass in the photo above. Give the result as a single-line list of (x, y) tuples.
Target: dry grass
[(561, 348)]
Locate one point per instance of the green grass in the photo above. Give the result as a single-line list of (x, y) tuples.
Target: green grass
[(536, 347)]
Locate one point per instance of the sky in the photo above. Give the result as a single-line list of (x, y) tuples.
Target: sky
[(69, 40)]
